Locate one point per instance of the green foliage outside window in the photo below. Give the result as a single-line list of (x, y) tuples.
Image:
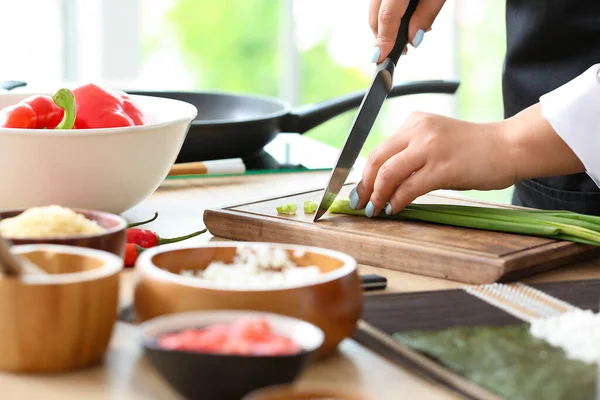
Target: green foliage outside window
[(243, 57), (234, 46)]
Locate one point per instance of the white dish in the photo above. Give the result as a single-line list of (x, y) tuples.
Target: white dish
[(108, 170)]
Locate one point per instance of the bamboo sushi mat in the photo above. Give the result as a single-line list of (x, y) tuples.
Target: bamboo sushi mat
[(386, 314), (400, 312)]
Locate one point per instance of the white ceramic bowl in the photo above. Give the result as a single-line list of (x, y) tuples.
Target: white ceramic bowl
[(109, 170)]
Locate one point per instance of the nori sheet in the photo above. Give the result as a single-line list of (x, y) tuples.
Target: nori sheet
[(507, 361)]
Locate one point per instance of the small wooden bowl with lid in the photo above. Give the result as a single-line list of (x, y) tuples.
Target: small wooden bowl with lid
[(63, 319), (332, 301)]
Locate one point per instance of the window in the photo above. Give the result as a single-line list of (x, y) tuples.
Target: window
[(303, 51), (31, 43)]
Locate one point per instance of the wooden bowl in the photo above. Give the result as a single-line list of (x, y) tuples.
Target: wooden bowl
[(60, 320), (113, 238), (333, 301)]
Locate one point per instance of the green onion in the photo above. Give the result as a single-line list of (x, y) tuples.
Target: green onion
[(558, 225), (586, 221), (310, 207), (289, 209)]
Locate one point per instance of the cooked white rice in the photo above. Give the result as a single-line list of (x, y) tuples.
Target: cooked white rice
[(257, 267), (51, 221)]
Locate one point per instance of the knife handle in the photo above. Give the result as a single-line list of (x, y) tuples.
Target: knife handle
[(402, 38)]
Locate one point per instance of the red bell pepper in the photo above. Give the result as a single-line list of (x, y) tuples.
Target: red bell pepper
[(49, 114), (99, 108), (132, 110), (65, 99), (147, 238), (41, 112), (20, 115)]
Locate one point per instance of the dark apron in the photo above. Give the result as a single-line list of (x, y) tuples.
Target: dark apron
[(550, 42)]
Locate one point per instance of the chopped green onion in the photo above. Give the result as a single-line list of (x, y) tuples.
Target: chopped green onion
[(558, 225), (289, 209), (310, 207)]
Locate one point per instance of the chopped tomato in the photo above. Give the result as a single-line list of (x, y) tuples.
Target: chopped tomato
[(243, 337)]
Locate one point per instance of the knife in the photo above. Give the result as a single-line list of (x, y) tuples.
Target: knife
[(366, 116)]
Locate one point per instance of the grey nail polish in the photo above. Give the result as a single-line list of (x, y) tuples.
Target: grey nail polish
[(370, 210), (389, 210), (353, 199), (418, 38), (376, 54)]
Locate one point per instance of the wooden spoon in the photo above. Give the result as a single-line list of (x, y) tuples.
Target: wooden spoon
[(12, 264)]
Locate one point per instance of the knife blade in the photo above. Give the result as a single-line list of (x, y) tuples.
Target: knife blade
[(367, 114)]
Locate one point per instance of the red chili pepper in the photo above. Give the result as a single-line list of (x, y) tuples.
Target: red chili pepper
[(134, 224), (41, 112), (132, 251), (147, 238), (99, 108)]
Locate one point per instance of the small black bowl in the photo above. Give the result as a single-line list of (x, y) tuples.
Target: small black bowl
[(227, 377)]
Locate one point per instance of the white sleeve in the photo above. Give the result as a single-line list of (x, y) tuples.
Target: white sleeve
[(573, 110)]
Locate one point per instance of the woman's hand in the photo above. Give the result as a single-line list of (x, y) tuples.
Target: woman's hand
[(384, 19), (432, 152)]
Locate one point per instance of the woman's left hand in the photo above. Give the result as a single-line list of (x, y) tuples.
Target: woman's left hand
[(432, 152)]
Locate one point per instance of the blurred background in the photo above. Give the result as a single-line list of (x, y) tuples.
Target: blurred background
[(303, 51)]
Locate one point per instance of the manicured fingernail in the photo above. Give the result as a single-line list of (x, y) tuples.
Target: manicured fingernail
[(370, 210), (389, 210), (353, 199), (418, 38), (376, 54)]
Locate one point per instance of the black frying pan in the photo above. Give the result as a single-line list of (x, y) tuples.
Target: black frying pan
[(239, 126), (235, 125), (9, 85)]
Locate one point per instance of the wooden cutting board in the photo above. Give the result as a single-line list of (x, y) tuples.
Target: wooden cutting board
[(459, 254)]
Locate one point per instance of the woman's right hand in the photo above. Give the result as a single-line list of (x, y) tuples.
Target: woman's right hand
[(384, 19)]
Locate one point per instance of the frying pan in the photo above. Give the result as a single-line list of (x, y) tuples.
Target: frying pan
[(232, 125), (9, 85)]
